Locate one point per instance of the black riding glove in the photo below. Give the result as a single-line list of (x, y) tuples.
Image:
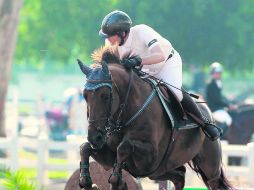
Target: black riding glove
[(131, 62)]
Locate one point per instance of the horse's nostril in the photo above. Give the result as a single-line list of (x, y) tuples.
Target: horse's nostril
[(99, 138)]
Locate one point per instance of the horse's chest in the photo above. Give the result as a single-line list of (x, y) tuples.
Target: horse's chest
[(113, 141)]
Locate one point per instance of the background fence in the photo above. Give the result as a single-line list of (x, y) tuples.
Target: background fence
[(42, 146)]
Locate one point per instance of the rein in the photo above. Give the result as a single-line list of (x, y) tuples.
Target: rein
[(116, 127), (110, 127)]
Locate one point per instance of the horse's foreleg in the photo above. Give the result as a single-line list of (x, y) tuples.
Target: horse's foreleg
[(123, 151), (177, 176), (129, 148), (143, 154), (105, 157), (85, 180), (116, 180)]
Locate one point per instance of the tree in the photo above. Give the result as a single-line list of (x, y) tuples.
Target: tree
[(59, 31), (9, 14)]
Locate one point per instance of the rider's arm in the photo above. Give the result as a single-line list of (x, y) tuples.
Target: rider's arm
[(156, 56), (151, 40)]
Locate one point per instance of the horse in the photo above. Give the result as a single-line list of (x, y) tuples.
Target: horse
[(130, 130), (242, 129)]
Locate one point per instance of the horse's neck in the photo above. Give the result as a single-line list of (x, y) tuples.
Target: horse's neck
[(139, 88)]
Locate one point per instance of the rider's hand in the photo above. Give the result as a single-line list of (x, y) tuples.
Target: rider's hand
[(131, 62)]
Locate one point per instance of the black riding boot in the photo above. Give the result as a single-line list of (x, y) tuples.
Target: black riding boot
[(209, 129)]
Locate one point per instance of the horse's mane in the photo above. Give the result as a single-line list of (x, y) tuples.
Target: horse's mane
[(108, 54)]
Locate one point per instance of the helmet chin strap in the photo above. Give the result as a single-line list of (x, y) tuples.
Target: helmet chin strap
[(122, 37), (121, 40)]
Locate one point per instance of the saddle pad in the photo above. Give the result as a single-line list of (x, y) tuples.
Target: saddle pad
[(169, 103)]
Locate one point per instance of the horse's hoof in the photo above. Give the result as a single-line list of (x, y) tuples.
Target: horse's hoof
[(85, 183), (95, 187)]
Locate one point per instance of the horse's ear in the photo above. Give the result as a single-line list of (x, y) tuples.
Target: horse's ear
[(105, 67), (85, 69)]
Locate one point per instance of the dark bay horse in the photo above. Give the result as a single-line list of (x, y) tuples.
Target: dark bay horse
[(242, 129), (129, 129)]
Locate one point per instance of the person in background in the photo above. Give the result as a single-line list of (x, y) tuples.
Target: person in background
[(218, 104), (156, 55), (76, 111)]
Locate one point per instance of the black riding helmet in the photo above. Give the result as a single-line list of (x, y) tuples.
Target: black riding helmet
[(115, 23)]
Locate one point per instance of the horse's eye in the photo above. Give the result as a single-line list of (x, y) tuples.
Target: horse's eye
[(105, 97), (85, 97)]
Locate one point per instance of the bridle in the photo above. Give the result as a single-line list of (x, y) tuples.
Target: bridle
[(111, 126), (117, 126)]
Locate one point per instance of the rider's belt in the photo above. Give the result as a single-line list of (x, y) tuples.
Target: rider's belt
[(171, 54)]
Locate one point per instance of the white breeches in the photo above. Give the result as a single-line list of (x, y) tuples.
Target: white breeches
[(222, 116), (171, 73)]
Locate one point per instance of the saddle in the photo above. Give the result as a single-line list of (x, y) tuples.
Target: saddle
[(179, 118)]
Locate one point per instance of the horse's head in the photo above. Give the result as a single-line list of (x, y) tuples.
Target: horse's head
[(100, 105), (97, 93)]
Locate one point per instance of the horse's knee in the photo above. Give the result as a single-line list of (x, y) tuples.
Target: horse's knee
[(85, 182), (85, 148)]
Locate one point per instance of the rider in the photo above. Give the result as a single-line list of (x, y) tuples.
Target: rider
[(215, 100), (154, 53)]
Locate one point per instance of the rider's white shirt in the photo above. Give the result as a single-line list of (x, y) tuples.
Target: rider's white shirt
[(139, 42)]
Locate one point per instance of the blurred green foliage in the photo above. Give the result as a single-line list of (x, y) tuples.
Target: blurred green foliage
[(56, 32), (10, 180)]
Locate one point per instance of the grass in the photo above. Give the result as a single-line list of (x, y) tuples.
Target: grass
[(31, 173), (17, 180)]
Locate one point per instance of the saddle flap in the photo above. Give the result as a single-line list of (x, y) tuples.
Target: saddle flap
[(176, 105)]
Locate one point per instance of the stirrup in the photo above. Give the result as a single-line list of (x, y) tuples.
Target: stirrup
[(211, 137), (213, 125), (208, 122)]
